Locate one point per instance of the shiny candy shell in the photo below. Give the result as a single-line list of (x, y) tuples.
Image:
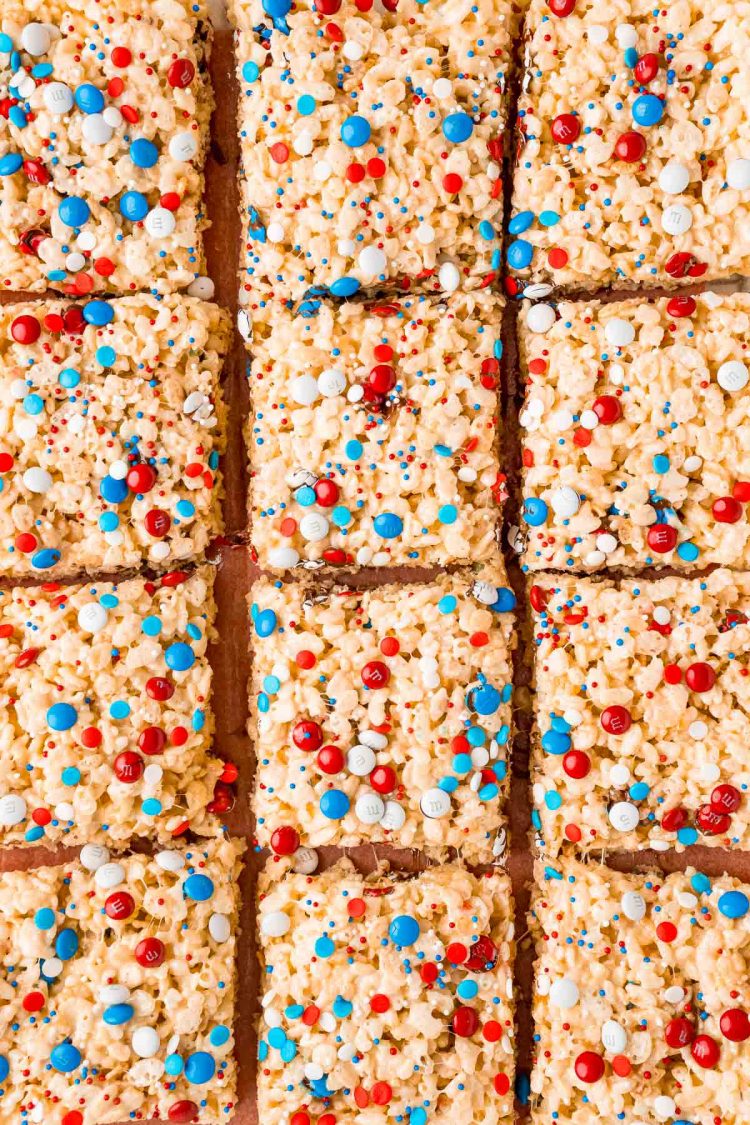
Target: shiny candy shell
[(633, 906), (276, 924), (733, 376), (623, 816), (435, 803)]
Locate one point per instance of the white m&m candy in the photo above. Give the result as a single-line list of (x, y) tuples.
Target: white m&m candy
[(732, 376)]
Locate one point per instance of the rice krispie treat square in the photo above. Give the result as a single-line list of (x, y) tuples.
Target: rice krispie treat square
[(104, 110), (374, 437), (637, 433), (642, 703), (386, 999), (633, 161), (105, 719), (641, 999), (383, 714), (372, 143), (120, 981), (111, 428)]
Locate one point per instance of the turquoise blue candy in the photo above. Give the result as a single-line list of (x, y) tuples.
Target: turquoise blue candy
[(219, 1035), (173, 1065), (688, 552), (447, 514), (198, 887), (549, 218), (700, 883), (65, 1057), (344, 287), (44, 919), (265, 622), (199, 1068), (556, 742), (74, 211), (112, 490), (133, 206), (457, 127), (485, 700), (179, 657), (143, 153), (117, 1013), (467, 989), (418, 1116), (305, 496), (61, 716), (69, 378), (734, 904), (404, 930), (66, 944), (10, 163), (355, 131), (354, 449), (334, 804), (89, 98), (534, 511), (520, 222), (660, 463), (98, 313), (250, 71), (6, 43), (388, 525), (648, 109), (45, 558), (520, 253), (306, 105), (324, 947)]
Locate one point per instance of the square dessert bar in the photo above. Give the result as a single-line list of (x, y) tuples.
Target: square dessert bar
[(383, 714), (637, 433), (120, 980), (105, 720), (110, 433), (374, 437), (633, 161), (104, 110), (386, 998), (641, 997), (642, 700), (372, 143)]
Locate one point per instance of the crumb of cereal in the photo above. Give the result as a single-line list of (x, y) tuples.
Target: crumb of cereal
[(372, 143), (636, 449), (120, 979), (374, 434), (384, 714), (104, 111), (106, 721), (634, 144), (389, 993), (641, 996), (626, 673), (110, 435)]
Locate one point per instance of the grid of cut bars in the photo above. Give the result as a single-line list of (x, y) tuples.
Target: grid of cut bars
[(374, 168)]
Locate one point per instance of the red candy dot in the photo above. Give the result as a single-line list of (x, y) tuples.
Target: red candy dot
[(25, 330), (607, 409), (355, 173), (735, 1025), (375, 674), (711, 822), (456, 953), (589, 1066), (576, 764), (673, 820), (305, 659), (501, 1082), (26, 542), (726, 510), (666, 931), (159, 688), (34, 1002), (381, 1093), (331, 759), (452, 183), (128, 767), (616, 720), (375, 167), (300, 1118), (672, 673), (465, 1022), (741, 491), (482, 955), (558, 259), (149, 952), (181, 73), (72, 1118), (726, 799), (121, 57), (561, 8), (705, 1051), (91, 737), (307, 735), (661, 538), (630, 147), (381, 379), (566, 128), (700, 677), (681, 306), (284, 841), (380, 1003), (119, 906), (679, 1032)]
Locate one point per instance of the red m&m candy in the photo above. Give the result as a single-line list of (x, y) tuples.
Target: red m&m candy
[(589, 1066), (616, 719)]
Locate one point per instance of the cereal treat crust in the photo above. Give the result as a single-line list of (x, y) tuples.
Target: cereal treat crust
[(641, 997), (111, 428), (375, 432), (120, 982), (633, 158), (104, 110), (372, 141), (642, 713), (383, 714), (637, 433), (387, 1000), (105, 723)]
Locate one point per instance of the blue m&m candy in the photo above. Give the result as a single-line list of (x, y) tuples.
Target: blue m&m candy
[(457, 127), (355, 131), (403, 930), (74, 211)]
